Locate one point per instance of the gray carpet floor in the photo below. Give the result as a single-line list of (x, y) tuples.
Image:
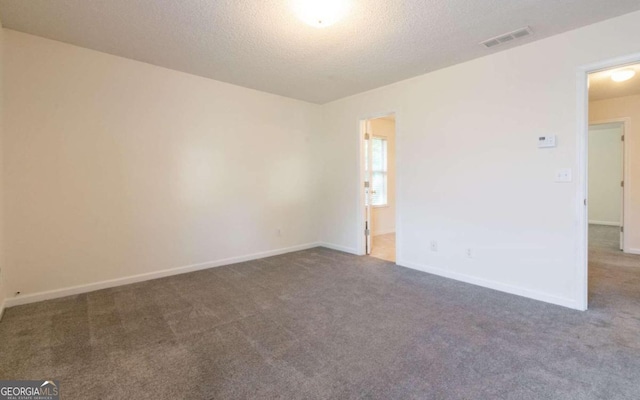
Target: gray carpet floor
[(320, 324)]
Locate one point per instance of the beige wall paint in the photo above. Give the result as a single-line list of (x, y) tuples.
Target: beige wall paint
[(384, 218), (469, 173), (626, 107), (605, 174), (115, 168)]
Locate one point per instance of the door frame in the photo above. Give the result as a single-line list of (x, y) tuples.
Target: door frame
[(360, 208), (582, 226), (624, 121)]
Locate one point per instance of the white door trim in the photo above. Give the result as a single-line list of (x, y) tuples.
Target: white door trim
[(582, 225)]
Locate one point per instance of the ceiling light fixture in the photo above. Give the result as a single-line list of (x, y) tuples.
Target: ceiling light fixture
[(622, 75), (321, 13)]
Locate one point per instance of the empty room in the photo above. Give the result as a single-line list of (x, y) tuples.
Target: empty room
[(319, 199)]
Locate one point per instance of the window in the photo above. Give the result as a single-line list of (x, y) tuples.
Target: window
[(379, 171)]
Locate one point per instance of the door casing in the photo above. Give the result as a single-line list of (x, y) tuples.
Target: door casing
[(582, 132)]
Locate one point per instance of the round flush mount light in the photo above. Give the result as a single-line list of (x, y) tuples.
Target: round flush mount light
[(622, 75), (321, 13)]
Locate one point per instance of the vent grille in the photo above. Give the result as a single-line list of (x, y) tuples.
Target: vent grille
[(507, 37)]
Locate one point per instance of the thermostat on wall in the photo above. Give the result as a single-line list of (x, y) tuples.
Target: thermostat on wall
[(547, 141)]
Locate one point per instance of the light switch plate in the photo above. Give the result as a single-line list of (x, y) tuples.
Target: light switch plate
[(563, 175)]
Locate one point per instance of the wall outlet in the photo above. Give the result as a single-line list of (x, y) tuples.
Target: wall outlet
[(469, 253), (434, 245)]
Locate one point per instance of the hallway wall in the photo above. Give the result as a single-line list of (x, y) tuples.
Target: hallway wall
[(626, 107), (605, 175)]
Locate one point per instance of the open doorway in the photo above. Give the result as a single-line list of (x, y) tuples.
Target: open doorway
[(612, 209), (378, 170), (606, 184)]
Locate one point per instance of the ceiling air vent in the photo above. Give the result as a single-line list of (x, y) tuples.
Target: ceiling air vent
[(507, 37)]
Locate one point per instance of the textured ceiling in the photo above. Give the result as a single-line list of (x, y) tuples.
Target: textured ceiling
[(261, 44), (601, 86)]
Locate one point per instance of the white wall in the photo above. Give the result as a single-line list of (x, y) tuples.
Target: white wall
[(469, 174), (384, 217), (626, 107), (115, 168), (605, 175)]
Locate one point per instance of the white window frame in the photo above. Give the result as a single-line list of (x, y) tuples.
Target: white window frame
[(385, 172)]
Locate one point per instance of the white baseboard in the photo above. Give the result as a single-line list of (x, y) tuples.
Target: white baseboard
[(2, 306), (632, 251), (90, 287), (332, 246), (607, 223), (502, 287)]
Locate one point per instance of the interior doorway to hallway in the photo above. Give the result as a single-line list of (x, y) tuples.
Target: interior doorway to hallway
[(614, 103), (378, 166), (612, 212)]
